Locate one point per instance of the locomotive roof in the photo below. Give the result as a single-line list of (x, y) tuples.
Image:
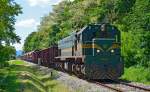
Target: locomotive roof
[(83, 29)]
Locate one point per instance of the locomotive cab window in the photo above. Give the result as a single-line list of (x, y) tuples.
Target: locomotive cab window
[(107, 31), (103, 31)]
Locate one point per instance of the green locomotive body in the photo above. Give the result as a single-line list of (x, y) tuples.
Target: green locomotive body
[(93, 51)]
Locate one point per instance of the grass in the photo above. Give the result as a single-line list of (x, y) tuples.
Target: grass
[(17, 62), (137, 74), (20, 77)]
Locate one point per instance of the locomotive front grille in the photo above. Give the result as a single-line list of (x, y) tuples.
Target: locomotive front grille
[(102, 72)]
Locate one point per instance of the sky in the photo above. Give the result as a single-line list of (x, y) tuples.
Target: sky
[(27, 22)]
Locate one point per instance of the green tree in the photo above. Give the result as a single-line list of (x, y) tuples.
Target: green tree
[(132, 17), (8, 11), (6, 53), (137, 23), (29, 42)]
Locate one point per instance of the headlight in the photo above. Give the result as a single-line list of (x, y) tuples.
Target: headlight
[(112, 51), (97, 51)]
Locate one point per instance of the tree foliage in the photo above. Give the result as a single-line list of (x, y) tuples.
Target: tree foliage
[(6, 53), (132, 17), (8, 11)]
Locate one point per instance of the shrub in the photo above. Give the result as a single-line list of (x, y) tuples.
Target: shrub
[(137, 74)]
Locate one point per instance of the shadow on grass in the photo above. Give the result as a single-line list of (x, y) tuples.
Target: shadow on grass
[(9, 84), (23, 78), (9, 77)]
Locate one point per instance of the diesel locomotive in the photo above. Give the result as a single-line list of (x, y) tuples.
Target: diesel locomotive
[(94, 52)]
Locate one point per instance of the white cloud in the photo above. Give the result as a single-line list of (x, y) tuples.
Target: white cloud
[(43, 2), (18, 46), (27, 23)]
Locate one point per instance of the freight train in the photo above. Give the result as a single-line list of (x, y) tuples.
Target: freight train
[(94, 52)]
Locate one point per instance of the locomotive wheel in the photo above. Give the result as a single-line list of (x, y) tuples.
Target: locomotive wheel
[(78, 68), (74, 68), (83, 69)]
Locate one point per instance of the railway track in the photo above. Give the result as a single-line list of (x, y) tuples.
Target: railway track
[(134, 86), (111, 84), (112, 88), (121, 86)]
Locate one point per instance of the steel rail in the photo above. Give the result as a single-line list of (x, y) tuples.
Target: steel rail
[(131, 85), (134, 86), (106, 86)]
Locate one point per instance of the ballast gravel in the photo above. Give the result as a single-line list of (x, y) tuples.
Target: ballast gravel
[(72, 82), (79, 85)]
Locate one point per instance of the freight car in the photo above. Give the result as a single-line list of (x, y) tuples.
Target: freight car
[(45, 57), (28, 56), (94, 51)]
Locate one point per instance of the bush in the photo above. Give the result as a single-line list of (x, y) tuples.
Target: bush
[(4, 64), (137, 74), (6, 53)]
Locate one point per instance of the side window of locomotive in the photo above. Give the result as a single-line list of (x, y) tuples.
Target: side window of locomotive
[(98, 33), (115, 34), (94, 30)]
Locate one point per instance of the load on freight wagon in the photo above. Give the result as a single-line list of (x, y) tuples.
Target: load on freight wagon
[(93, 52)]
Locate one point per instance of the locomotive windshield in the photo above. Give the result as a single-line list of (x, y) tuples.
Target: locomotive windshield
[(107, 31)]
